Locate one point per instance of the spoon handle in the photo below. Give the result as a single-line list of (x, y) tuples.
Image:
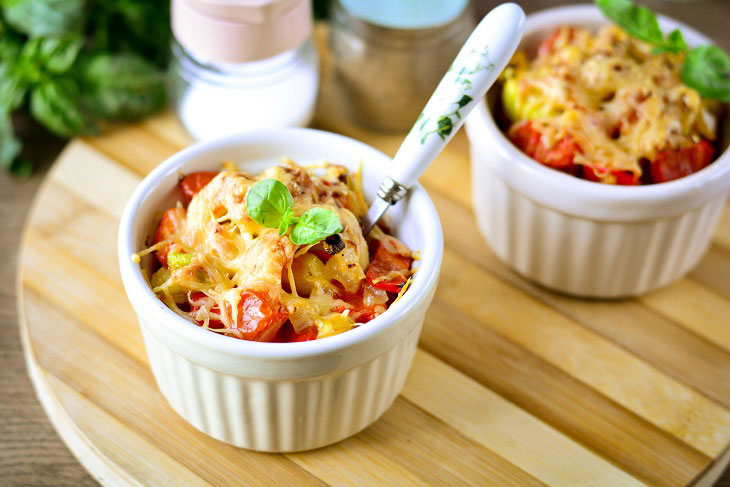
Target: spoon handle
[(476, 67)]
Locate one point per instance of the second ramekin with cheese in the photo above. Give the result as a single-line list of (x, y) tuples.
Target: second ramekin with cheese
[(581, 237)]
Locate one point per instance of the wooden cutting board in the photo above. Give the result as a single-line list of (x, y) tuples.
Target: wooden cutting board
[(512, 384)]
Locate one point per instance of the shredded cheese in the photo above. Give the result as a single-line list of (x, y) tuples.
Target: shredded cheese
[(232, 255), (620, 102)]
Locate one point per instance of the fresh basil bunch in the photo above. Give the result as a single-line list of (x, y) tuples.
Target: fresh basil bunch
[(76, 63), (705, 68), (269, 203)]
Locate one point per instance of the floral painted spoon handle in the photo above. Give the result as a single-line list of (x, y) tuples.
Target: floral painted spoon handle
[(476, 67)]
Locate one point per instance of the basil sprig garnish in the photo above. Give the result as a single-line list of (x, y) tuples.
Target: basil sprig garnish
[(269, 203), (705, 68)]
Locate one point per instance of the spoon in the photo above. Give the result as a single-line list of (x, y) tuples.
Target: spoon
[(476, 67)]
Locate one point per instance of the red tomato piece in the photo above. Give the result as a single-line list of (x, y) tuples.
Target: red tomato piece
[(382, 264), (170, 225), (287, 334), (196, 297), (358, 310), (548, 44), (194, 182), (674, 164), (623, 178), (560, 156), (259, 317)]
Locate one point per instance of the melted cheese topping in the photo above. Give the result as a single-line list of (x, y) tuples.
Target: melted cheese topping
[(620, 102), (231, 253)]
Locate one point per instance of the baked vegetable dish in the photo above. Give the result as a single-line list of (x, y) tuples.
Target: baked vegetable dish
[(608, 107), (279, 258)]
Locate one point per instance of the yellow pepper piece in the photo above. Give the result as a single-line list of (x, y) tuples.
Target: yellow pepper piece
[(178, 260), (519, 105)]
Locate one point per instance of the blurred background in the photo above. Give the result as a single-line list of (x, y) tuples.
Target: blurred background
[(80, 65)]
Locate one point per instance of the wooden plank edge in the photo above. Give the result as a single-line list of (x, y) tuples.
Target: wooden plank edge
[(588, 356), (101, 468), (523, 455), (712, 474), (571, 407)]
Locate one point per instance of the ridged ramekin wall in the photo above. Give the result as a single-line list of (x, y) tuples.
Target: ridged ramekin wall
[(282, 415), (583, 256)]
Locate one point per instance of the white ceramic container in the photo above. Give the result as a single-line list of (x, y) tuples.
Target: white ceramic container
[(580, 237), (280, 396)]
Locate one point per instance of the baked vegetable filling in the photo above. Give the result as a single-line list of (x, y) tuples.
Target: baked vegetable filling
[(607, 107), (280, 257)]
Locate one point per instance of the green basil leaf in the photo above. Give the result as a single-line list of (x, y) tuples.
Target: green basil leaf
[(149, 23), (639, 22), (268, 201), (42, 57), (139, 26), (58, 105), (675, 43), (315, 225), (21, 168), (54, 54), (13, 85), (9, 144), (10, 43), (286, 221), (707, 70), (123, 86), (45, 18), (12, 89), (676, 40)]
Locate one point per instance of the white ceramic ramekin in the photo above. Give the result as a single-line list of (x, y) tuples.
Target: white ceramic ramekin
[(580, 237), (280, 396)]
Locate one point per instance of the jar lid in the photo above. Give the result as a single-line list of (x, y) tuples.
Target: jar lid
[(406, 14), (236, 31)]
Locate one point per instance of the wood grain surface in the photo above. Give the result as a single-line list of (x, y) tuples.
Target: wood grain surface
[(669, 345)]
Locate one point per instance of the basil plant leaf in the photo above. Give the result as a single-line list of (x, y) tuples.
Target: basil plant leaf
[(45, 18), (639, 22), (675, 43), (123, 86), (286, 221), (314, 225), (268, 201), (12, 89), (9, 144), (707, 70), (45, 56), (10, 43), (56, 54), (58, 105), (21, 168)]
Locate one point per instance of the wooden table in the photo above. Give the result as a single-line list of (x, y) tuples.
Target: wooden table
[(30, 453)]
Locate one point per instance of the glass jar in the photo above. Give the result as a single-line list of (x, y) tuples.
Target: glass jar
[(387, 71), (216, 99), (242, 64)]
